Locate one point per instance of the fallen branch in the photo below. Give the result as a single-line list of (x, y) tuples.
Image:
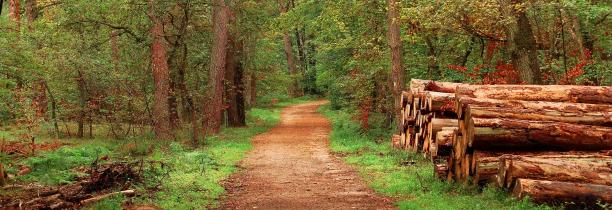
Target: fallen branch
[(100, 197)]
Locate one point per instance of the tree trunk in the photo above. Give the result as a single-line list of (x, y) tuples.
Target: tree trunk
[(552, 93), (15, 12), (524, 46), (395, 45), (161, 76), (31, 11), (186, 99), (593, 170), (173, 103), (433, 68), (294, 89), (504, 134), (217, 66), (252, 89), (234, 89), (53, 111), (82, 103), (301, 48), (580, 195), (468, 52)]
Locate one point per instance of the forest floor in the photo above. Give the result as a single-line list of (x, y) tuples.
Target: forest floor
[(292, 167), (175, 175)]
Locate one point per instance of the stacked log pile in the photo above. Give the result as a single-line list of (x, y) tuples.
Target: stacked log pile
[(525, 138)]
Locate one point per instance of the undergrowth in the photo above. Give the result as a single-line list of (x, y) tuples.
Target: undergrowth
[(192, 177), (405, 176)]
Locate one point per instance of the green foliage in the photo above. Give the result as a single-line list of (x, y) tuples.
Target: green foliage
[(57, 167), (407, 176)]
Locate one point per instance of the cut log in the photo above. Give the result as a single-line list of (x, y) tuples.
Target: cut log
[(395, 141), (437, 86), (440, 171), (553, 93), (436, 125), (445, 136), (406, 98), (548, 113), (574, 109), (418, 84), (437, 101), (3, 176), (485, 170), (567, 193), (584, 169), (483, 165), (414, 111), (442, 144), (512, 134)]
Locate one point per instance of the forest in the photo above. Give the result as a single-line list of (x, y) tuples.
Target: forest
[(160, 104)]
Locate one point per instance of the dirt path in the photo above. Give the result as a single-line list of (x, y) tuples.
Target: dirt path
[(291, 168)]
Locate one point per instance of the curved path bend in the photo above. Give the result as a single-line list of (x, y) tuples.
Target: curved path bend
[(291, 167)]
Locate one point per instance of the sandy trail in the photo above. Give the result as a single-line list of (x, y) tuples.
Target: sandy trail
[(291, 167)]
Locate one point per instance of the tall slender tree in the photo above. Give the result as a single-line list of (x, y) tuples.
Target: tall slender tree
[(234, 73), (294, 89), (161, 75), (15, 11), (214, 108), (395, 43)]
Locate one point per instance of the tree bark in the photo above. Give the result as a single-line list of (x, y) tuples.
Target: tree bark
[(217, 66), (186, 99), (545, 114), (31, 11), (395, 45), (161, 76), (568, 109), (15, 12), (582, 195), (551, 93), (430, 85), (53, 111), (234, 87), (294, 89), (83, 99), (504, 134), (433, 68), (252, 89), (524, 47), (588, 169), (436, 102)]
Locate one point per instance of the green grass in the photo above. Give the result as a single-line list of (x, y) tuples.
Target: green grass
[(194, 175), (195, 181), (53, 168), (405, 176)]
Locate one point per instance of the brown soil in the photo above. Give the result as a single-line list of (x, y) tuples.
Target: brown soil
[(291, 167)]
